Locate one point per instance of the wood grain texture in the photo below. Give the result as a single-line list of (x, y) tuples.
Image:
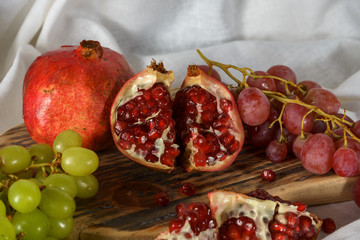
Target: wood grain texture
[(124, 208)]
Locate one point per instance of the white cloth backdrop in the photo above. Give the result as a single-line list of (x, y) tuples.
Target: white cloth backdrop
[(319, 39)]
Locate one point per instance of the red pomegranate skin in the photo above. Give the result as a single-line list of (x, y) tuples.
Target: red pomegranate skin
[(73, 87)]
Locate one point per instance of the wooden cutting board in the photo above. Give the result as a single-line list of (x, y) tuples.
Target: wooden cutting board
[(124, 208)]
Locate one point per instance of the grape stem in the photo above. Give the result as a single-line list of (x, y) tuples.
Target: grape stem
[(327, 118)]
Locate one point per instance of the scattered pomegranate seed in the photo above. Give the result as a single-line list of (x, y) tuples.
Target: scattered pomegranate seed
[(162, 198), (328, 225), (268, 175), (188, 189)]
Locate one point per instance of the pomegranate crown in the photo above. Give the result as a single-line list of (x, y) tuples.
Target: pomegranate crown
[(157, 66)]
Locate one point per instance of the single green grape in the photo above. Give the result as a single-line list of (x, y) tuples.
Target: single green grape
[(43, 152), (26, 174), (36, 181), (35, 224), (41, 176), (50, 238), (60, 228), (7, 231), (2, 209), (66, 139), (24, 195), (14, 158), (56, 203), (87, 186), (63, 181), (79, 161)]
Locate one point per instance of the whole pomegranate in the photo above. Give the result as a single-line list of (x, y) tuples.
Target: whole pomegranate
[(73, 87), (150, 126), (230, 215)]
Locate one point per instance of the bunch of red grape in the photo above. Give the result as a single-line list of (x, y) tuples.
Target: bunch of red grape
[(38, 188), (286, 117)]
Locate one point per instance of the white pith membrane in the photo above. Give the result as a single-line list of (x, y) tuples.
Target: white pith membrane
[(226, 204), (184, 233), (131, 89)]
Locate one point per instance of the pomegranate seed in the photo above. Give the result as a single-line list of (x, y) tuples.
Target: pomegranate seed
[(119, 126), (225, 105), (181, 210), (162, 198), (268, 175), (158, 92), (142, 150), (227, 140), (155, 133), (300, 206), (328, 225), (234, 147), (151, 158), (199, 141), (144, 110), (188, 189), (162, 123), (126, 145), (280, 236), (167, 160), (129, 106), (147, 95), (164, 102), (292, 219), (200, 159), (151, 103), (175, 225)]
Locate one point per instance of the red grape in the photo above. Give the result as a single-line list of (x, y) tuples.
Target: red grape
[(261, 135), (356, 129), (309, 84), (289, 138), (214, 73), (254, 106), (323, 99), (316, 155), (345, 162), (283, 72), (267, 84), (356, 192), (319, 127), (276, 151), (293, 118), (299, 143)]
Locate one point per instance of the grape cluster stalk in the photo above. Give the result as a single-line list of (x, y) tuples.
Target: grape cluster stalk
[(39, 186), (300, 118)]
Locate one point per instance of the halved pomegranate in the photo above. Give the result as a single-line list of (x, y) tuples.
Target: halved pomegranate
[(239, 216), (208, 125), (141, 119)]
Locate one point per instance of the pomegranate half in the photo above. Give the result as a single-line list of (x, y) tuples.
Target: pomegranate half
[(150, 127), (208, 125), (73, 87), (141, 119)]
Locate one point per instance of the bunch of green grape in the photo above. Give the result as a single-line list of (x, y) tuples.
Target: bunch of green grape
[(38, 187)]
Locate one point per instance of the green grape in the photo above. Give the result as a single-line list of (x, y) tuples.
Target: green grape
[(2, 209), (50, 238), (24, 195), (60, 228), (79, 161), (7, 231), (26, 174), (56, 203), (62, 181), (87, 186), (66, 139), (14, 158), (35, 225), (36, 181), (41, 176), (42, 151)]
